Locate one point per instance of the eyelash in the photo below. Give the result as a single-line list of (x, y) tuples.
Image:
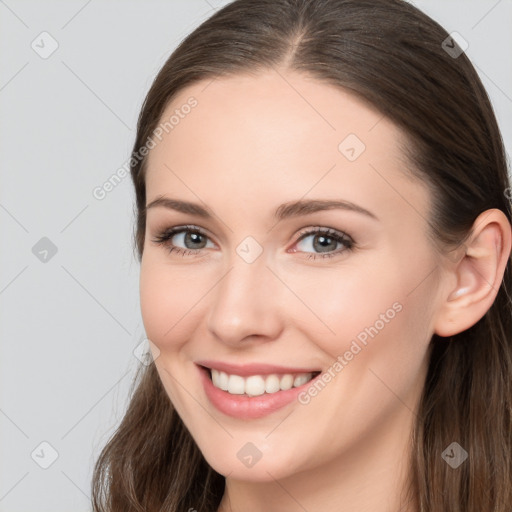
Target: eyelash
[(165, 236)]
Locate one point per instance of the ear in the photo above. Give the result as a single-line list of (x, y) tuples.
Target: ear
[(478, 275)]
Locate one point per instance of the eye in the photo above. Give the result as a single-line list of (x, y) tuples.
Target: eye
[(191, 237), (324, 240)]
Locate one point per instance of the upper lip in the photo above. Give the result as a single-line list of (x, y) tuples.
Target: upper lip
[(253, 368)]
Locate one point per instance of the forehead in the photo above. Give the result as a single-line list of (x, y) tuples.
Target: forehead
[(280, 135), (279, 109)]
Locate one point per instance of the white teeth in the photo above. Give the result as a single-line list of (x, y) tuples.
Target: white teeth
[(272, 384), (223, 381), (215, 378), (300, 379), (256, 385), (236, 385), (286, 382)]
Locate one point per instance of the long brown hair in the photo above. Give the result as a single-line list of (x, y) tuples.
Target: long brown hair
[(393, 56)]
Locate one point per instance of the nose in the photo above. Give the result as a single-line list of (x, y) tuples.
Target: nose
[(248, 304)]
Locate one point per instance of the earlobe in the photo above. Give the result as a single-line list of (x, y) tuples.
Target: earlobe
[(478, 275)]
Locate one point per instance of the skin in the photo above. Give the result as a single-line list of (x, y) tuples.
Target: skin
[(252, 143)]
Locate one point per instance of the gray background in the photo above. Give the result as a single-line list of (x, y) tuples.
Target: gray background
[(70, 320)]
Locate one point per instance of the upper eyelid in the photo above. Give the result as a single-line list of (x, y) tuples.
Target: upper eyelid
[(175, 230), (308, 231)]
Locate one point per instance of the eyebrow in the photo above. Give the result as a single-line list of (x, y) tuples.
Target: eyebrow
[(284, 211)]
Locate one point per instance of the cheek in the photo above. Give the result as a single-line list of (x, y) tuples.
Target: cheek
[(166, 297), (379, 312), (349, 299)]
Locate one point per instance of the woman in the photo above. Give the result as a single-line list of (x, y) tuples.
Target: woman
[(325, 237)]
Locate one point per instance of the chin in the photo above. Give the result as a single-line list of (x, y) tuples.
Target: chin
[(246, 462)]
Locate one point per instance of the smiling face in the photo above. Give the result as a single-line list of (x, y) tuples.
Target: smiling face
[(347, 288)]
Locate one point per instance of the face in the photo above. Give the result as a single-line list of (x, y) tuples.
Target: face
[(343, 291)]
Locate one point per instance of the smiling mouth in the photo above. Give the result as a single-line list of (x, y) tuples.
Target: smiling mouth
[(256, 385)]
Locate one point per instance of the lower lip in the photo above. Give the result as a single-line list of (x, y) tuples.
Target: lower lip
[(248, 407)]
